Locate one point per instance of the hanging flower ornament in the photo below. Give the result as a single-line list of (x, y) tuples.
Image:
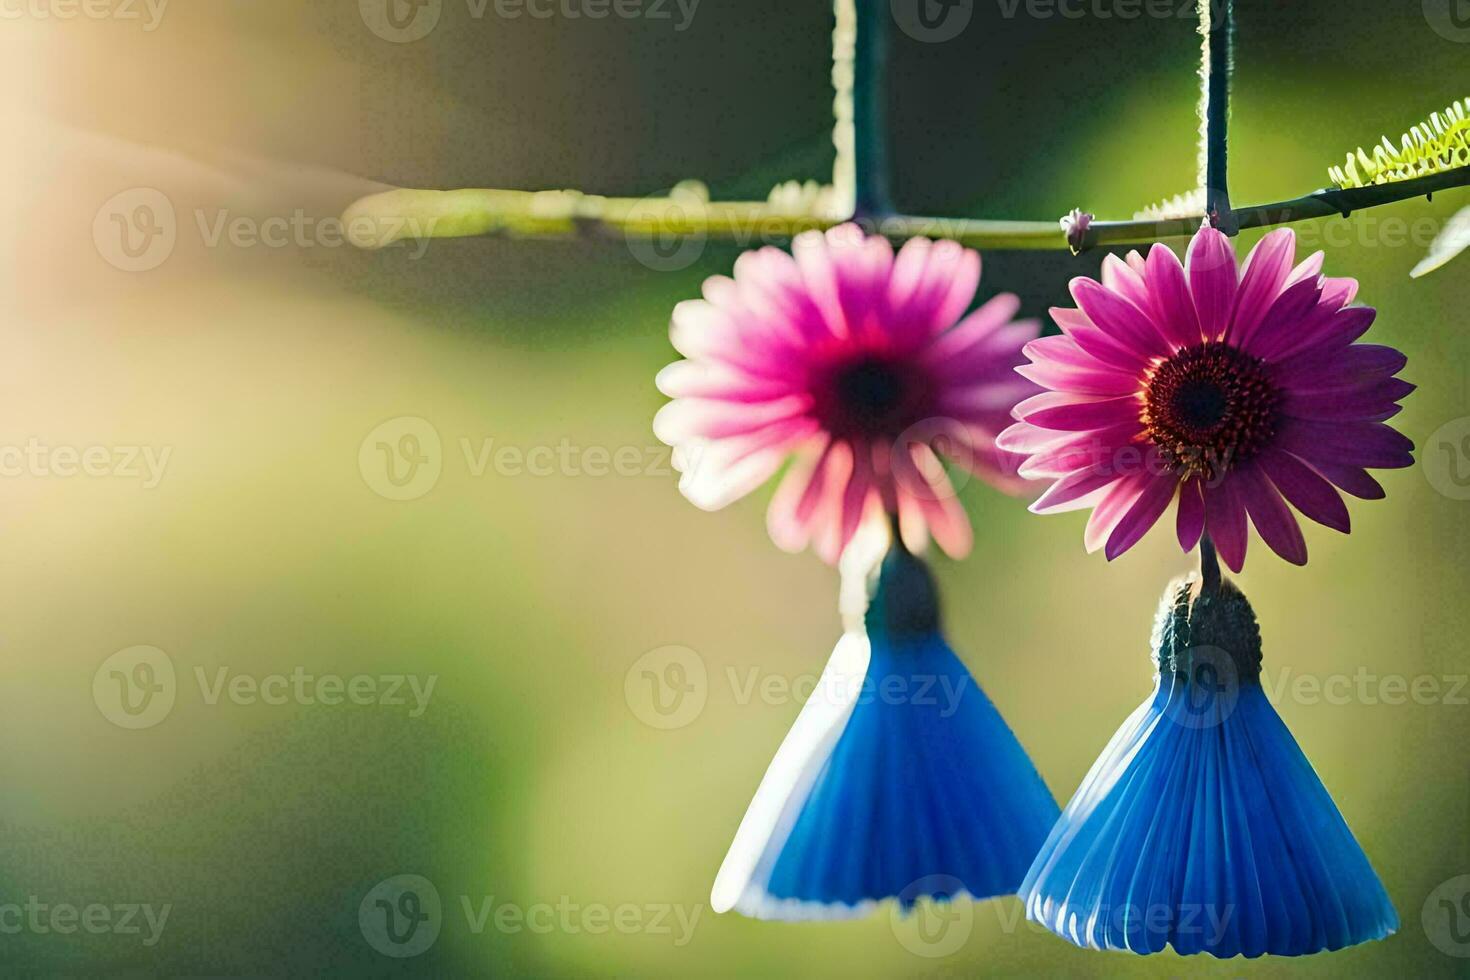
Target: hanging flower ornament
[(1226, 394), (860, 366)]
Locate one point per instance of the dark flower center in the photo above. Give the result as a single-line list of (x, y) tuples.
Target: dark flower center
[(1210, 407), (867, 397)]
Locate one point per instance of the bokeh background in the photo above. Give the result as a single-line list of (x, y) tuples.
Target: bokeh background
[(533, 778)]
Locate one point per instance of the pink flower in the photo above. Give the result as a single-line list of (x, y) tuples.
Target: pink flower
[(856, 362), (1236, 394)]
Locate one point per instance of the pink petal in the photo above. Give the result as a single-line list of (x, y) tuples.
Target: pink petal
[(1089, 337), (1112, 508), (720, 381), (1173, 307), (1099, 380), (1066, 492), (1210, 268), (1121, 278), (788, 528), (1145, 512), (1309, 268), (1123, 322), (1261, 279), (1304, 489), (1225, 522), (1065, 411), (1095, 449), (1190, 522), (702, 418), (1269, 513), (921, 477)]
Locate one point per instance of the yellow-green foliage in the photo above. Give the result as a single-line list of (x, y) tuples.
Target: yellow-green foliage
[(1442, 142)]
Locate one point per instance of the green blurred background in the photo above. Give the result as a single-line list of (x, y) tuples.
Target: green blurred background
[(532, 778)]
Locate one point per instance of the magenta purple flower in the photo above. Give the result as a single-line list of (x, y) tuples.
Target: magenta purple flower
[(1231, 395)]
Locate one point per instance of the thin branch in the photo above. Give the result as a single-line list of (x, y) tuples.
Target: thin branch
[(1217, 24), (870, 109), (383, 219)]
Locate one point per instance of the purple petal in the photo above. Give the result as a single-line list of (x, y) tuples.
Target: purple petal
[(1225, 521), (1365, 444), (1335, 369), (1190, 521), (1070, 489), (1348, 403), (1305, 489), (1210, 267), (1269, 513), (1112, 508), (1288, 315), (1119, 319), (1078, 412), (1169, 292), (1351, 479), (1261, 279), (1144, 513), (1076, 325)]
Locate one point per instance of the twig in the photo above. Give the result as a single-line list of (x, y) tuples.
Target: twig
[(1218, 27), (382, 219)]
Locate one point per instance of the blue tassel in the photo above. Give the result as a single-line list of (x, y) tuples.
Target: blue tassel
[(1203, 826), (899, 779)]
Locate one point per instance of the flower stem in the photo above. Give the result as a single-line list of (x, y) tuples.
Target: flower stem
[(1209, 565)]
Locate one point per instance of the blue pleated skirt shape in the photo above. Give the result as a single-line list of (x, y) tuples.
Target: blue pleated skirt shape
[(1203, 827), (899, 780)]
